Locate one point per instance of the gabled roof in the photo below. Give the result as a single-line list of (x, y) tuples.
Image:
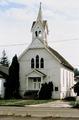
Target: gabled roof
[(63, 61), (4, 71), (37, 71), (44, 75), (44, 24)]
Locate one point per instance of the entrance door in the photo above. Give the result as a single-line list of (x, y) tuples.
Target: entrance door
[(36, 83)]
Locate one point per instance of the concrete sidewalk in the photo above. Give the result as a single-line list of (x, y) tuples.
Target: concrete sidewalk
[(57, 103)]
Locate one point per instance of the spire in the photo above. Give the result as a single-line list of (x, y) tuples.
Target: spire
[(39, 18)]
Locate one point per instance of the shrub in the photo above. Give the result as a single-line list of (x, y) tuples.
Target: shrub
[(75, 104), (46, 91), (31, 94), (76, 88), (70, 98)]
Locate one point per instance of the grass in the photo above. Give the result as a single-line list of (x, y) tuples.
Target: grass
[(20, 102), (75, 104)]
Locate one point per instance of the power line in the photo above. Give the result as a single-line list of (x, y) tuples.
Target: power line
[(9, 45), (66, 40), (55, 41)]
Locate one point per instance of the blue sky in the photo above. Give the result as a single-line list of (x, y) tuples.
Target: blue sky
[(7, 5), (16, 18)]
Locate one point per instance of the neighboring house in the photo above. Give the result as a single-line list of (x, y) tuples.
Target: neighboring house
[(40, 63), (2, 81), (3, 76)]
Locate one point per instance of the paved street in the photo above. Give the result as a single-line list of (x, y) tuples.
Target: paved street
[(35, 118), (38, 112)]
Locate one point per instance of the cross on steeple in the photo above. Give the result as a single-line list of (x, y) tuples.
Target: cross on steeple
[(39, 18)]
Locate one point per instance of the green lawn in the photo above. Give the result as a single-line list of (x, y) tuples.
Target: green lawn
[(20, 102), (75, 104)]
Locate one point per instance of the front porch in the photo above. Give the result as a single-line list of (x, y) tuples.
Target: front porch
[(34, 83), (34, 79)]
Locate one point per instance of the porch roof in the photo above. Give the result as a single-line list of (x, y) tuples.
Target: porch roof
[(37, 72)]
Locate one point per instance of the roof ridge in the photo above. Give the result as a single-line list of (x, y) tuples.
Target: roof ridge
[(61, 58)]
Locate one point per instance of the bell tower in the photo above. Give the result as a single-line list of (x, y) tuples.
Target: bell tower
[(40, 28)]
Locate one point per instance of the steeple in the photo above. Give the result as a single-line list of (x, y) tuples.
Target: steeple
[(40, 28), (39, 17)]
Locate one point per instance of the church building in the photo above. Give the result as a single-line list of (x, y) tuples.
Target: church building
[(40, 63)]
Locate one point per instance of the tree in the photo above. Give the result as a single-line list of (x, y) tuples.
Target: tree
[(76, 72), (12, 83), (4, 60), (76, 88), (46, 91), (50, 89)]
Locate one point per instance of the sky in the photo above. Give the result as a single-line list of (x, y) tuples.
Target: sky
[(16, 17)]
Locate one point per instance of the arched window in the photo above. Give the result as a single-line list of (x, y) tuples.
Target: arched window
[(36, 34), (37, 61), (42, 63), (40, 34), (32, 63)]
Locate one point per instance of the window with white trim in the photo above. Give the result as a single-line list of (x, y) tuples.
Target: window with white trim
[(37, 61), (32, 63), (42, 63)]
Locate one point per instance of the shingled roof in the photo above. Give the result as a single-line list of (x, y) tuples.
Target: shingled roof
[(63, 61)]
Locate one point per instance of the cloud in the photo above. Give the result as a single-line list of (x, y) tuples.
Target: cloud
[(16, 17), (6, 5), (62, 9), (56, 10)]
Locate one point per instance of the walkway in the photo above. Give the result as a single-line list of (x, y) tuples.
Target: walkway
[(57, 103)]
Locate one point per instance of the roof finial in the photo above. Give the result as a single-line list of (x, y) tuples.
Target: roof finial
[(39, 18), (40, 5)]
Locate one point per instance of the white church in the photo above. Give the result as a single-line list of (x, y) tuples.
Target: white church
[(40, 63)]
